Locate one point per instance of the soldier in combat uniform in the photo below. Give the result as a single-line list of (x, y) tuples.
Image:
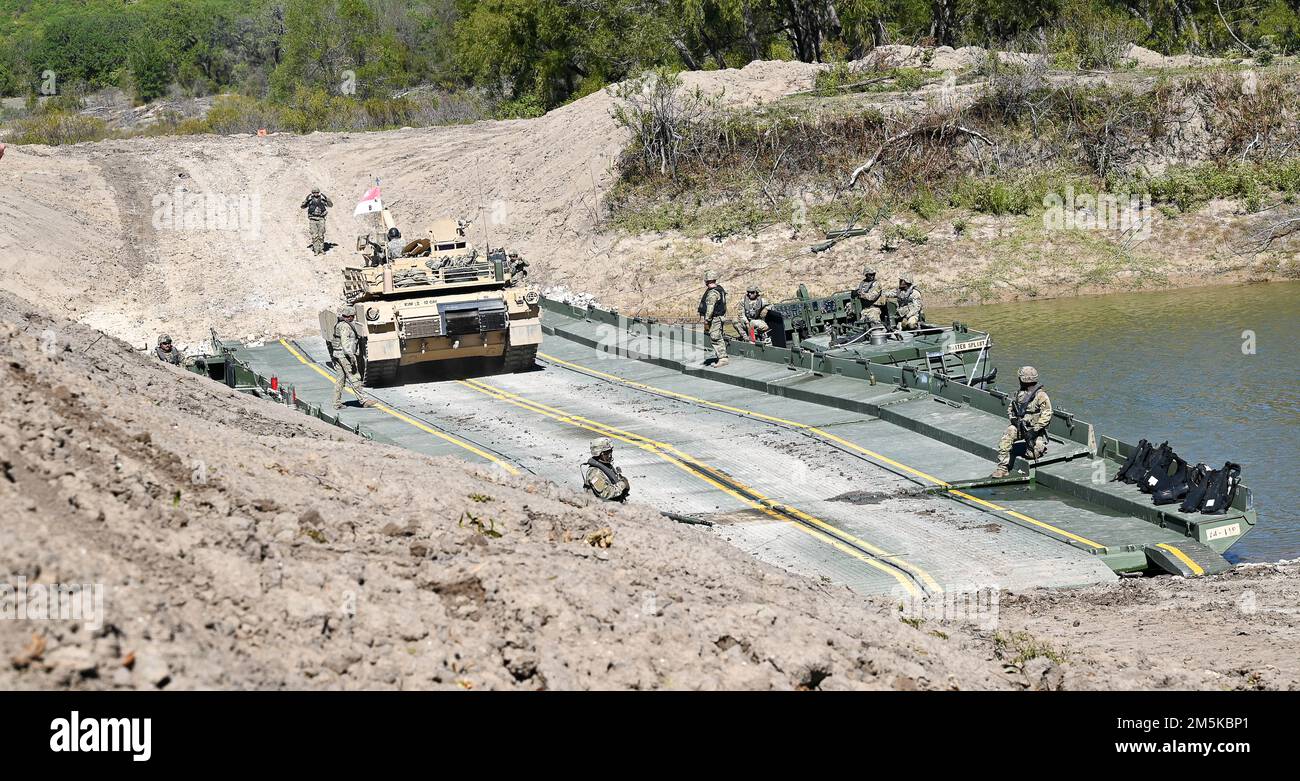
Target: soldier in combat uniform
[(317, 205), (166, 353), (1030, 410), (869, 292), (911, 312), (753, 311), (601, 477), (713, 305), (395, 244), (347, 343)]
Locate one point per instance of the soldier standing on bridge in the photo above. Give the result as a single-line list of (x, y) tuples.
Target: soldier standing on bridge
[(869, 293), (753, 314), (317, 205), (601, 477), (713, 306), (347, 344), (911, 313), (1030, 410)]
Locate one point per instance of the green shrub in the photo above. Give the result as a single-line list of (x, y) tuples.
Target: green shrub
[(60, 104), (239, 114), (992, 196), (56, 128), (924, 204)]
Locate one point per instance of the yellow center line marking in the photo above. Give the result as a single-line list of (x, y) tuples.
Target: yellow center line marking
[(685, 462), (831, 437), (382, 407), (1183, 557)]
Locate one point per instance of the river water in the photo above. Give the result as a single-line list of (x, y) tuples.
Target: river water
[(1216, 371)]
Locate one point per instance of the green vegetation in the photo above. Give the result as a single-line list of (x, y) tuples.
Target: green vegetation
[(1017, 648), (1021, 143), (317, 64)]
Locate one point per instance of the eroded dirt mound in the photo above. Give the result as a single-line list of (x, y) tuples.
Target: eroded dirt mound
[(244, 545), (241, 544), (1241, 628)]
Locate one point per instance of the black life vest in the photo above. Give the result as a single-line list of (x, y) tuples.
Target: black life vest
[(1159, 469), (722, 301), (1134, 458), (1197, 482), (1221, 490), (1138, 474), (1174, 486)]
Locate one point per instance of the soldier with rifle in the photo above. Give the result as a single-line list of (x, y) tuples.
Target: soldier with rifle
[(1030, 410)]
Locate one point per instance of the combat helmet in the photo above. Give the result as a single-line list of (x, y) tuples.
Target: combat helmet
[(1028, 374), (601, 445), (394, 233), (164, 339), (905, 278), (710, 276), (868, 272), (348, 311), (752, 289)]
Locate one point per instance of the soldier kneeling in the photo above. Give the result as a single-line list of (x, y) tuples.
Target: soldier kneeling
[(1030, 410), (601, 477)]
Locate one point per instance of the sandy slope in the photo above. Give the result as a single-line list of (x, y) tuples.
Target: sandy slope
[(86, 230), (307, 557)]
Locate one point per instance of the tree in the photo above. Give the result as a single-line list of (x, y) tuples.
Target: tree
[(150, 69)]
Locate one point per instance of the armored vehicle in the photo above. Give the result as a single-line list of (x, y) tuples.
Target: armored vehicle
[(439, 299)]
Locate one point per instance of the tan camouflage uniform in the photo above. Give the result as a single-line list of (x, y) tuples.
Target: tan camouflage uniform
[(594, 478), (317, 222), (345, 358), (752, 312), (910, 309), (713, 324), (600, 485), (1037, 416), (869, 293), (172, 356)]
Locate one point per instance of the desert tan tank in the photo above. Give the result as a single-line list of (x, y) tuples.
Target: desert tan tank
[(442, 300)]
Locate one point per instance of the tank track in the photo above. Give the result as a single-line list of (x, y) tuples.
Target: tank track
[(381, 373), (519, 359)]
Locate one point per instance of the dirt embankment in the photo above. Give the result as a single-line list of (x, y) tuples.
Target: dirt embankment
[(240, 544), (184, 234), (244, 545)]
